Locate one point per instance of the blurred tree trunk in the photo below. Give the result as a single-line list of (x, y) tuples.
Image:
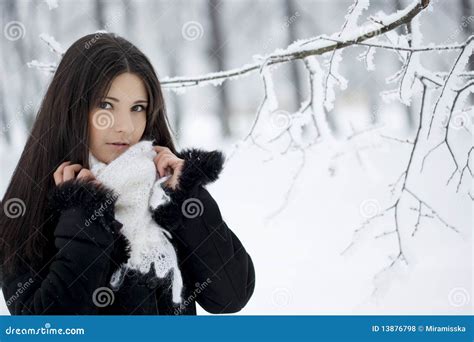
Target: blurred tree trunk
[(33, 85), (169, 45), (466, 10), (177, 108), (468, 28), (4, 132), (129, 12), (100, 14), (13, 61), (217, 58), (290, 10)]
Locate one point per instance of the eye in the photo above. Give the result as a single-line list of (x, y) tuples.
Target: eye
[(105, 105), (138, 108)]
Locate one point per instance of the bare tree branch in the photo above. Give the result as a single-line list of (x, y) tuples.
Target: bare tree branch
[(296, 50)]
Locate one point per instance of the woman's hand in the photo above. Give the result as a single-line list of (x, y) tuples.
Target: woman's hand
[(168, 164), (66, 172)]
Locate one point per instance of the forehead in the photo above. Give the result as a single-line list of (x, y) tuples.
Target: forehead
[(128, 87)]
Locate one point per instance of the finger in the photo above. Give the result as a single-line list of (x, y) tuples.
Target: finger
[(69, 171), (58, 174), (85, 174), (160, 148), (172, 181), (88, 176), (164, 164), (158, 162), (163, 150), (158, 157)]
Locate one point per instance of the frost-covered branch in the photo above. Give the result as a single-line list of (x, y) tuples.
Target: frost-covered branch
[(445, 141), (461, 61), (303, 48), (423, 208)]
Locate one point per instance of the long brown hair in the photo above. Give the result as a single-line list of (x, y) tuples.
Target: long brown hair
[(61, 132)]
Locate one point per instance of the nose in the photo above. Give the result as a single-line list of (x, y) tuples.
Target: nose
[(123, 123)]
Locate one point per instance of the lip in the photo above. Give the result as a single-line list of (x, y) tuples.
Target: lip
[(119, 146)]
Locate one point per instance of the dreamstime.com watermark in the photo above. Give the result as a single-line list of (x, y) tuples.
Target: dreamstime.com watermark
[(22, 287), (114, 19), (46, 330), (192, 297), (103, 207)]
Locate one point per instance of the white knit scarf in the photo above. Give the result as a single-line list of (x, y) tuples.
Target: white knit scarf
[(134, 179)]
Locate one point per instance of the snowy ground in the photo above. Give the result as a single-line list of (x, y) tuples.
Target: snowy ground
[(297, 254)]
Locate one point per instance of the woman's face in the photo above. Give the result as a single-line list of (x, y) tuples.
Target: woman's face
[(120, 118)]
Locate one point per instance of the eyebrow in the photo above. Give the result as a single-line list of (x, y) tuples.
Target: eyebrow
[(117, 100)]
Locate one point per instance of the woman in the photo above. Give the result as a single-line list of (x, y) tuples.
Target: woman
[(60, 239)]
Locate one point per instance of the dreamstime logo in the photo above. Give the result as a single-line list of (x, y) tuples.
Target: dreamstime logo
[(465, 22), (281, 297), (21, 288), (14, 207), (281, 119), (14, 30), (99, 212), (192, 207), (459, 120), (20, 113), (369, 208), (103, 119), (459, 296), (105, 30), (290, 20), (192, 30), (103, 296), (199, 287)]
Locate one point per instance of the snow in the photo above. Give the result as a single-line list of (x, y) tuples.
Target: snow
[(318, 94), (271, 102), (408, 79), (52, 4), (300, 269), (47, 68), (448, 93), (386, 18), (334, 79), (215, 78), (54, 46), (369, 56), (351, 18)]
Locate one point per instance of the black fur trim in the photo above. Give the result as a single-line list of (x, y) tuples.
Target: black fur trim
[(120, 253), (200, 168), (96, 200)]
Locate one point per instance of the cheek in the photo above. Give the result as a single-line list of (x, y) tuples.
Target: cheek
[(95, 136), (94, 133), (140, 124), (96, 140)]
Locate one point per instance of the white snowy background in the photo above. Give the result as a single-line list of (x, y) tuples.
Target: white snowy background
[(297, 209)]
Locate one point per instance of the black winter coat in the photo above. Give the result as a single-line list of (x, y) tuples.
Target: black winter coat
[(87, 247)]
